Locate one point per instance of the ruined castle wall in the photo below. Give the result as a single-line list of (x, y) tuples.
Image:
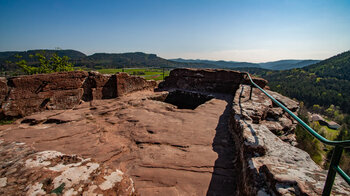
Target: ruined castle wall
[(24, 95), (208, 80)]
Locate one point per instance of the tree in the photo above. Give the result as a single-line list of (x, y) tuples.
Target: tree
[(317, 108), (46, 65), (330, 111)]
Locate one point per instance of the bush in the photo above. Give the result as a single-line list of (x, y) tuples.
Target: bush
[(53, 64)]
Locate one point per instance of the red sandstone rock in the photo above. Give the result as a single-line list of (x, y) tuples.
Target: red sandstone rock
[(100, 86), (3, 89), (35, 93), (211, 80), (259, 81), (289, 103), (24, 171), (127, 84), (269, 164), (3, 94), (48, 82), (165, 150), (171, 151)]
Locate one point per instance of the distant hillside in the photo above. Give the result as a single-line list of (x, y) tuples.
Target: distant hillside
[(11, 56), (326, 82), (274, 65), (218, 64), (137, 59), (98, 60), (337, 67), (287, 64)]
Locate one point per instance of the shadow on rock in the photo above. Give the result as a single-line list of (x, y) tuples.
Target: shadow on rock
[(223, 180)]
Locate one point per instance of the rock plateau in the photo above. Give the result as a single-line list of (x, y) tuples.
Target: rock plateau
[(197, 133)]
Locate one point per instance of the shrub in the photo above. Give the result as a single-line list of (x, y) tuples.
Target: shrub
[(46, 65)]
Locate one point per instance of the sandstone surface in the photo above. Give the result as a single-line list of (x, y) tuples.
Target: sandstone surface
[(165, 150), (199, 135), (24, 171)]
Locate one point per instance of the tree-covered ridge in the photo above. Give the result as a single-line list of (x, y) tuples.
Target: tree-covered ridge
[(273, 65), (337, 67), (97, 60), (134, 59), (138, 59), (287, 64), (220, 64), (310, 88), (324, 83), (8, 59)]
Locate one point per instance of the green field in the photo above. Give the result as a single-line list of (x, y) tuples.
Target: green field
[(148, 74), (328, 133), (331, 134)]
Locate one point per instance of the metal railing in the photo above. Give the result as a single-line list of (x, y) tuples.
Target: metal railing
[(339, 145)]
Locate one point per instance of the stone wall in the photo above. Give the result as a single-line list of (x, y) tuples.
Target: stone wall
[(209, 80), (24, 95), (268, 161)]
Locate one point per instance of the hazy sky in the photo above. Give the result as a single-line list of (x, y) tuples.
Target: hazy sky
[(249, 30)]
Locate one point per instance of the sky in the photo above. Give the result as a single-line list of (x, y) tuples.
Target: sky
[(247, 30)]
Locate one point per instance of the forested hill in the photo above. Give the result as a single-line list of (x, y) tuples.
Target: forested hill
[(107, 60), (11, 56), (337, 67), (97, 60), (323, 83), (287, 64), (137, 59), (273, 65), (221, 64)]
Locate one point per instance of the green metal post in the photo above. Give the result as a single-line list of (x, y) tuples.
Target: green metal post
[(251, 92), (332, 171)]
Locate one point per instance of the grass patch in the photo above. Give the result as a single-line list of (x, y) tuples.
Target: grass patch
[(6, 122), (331, 134), (148, 74), (325, 131)]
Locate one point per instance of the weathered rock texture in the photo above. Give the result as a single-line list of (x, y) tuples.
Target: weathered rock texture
[(209, 80), (165, 150), (25, 171), (268, 164), (127, 84), (24, 95), (229, 145)]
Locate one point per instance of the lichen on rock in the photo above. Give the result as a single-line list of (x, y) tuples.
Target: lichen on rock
[(24, 170)]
